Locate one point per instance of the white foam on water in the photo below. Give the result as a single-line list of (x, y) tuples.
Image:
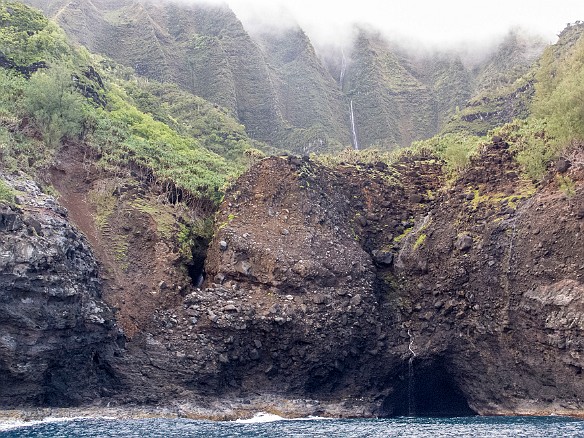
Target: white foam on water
[(264, 417), (261, 417), (18, 424)]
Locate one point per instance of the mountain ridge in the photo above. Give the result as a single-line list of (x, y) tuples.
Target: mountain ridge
[(292, 105)]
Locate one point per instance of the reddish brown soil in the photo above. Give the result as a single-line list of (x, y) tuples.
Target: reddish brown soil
[(138, 267)]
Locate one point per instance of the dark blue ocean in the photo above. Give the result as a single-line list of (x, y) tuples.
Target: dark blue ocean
[(511, 427)]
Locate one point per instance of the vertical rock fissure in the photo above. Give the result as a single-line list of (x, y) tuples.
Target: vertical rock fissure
[(196, 269)]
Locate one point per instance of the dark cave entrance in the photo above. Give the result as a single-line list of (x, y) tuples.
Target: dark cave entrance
[(196, 269), (427, 390)]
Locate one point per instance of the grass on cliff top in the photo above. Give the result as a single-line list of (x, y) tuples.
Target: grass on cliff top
[(214, 127), (454, 149), (125, 135)]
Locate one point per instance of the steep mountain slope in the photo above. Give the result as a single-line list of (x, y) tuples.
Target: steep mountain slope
[(397, 97), (201, 47), (502, 87), (308, 95), (282, 90)]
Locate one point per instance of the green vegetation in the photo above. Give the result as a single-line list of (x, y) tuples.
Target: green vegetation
[(525, 190), (194, 235), (557, 120), (560, 88), (6, 193), (420, 241), (164, 132), (196, 148), (222, 225), (403, 235), (455, 149), (531, 142), (104, 201), (288, 94), (125, 135), (213, 126), (308, 98), (352, 157), (54, 105), (566, 184), (392, 104), (47, 104), (26, 36), (503, 87), (120, 247)]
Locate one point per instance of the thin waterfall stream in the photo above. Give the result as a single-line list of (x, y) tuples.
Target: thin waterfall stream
[(353, 130), (411, 378), (343, 69)]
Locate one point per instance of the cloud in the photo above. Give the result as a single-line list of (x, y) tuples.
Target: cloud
[(432, 23)]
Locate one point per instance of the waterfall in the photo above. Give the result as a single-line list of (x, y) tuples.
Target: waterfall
[(200, 280), (353, 130), (411, 379), (343, 68)]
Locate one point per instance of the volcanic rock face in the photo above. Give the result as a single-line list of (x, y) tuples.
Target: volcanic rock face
[(350, 274), (54, 327), (378, 290), (482, 310)]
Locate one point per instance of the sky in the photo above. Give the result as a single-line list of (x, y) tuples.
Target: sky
[(438, 23)]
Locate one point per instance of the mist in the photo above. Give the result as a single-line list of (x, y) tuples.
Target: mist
[(432, 25)]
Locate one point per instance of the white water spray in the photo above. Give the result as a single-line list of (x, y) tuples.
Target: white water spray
[(353, 130)]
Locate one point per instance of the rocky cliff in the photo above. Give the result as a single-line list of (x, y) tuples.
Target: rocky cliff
[(356, 288), (426, 298), (361, 290), (55, 328)]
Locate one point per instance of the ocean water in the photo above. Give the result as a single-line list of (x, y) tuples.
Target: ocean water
[(264, 425)]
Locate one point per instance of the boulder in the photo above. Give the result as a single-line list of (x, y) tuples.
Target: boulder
[(463, 242)]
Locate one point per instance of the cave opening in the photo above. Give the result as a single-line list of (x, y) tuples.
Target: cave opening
[(196, 268), (427, 390)]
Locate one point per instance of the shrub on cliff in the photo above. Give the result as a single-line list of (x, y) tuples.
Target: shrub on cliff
[(125, 135), (531, 141), (56, 108), (6, 193), (26, 36), (560, 91), (557, 118), (455, 149)]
